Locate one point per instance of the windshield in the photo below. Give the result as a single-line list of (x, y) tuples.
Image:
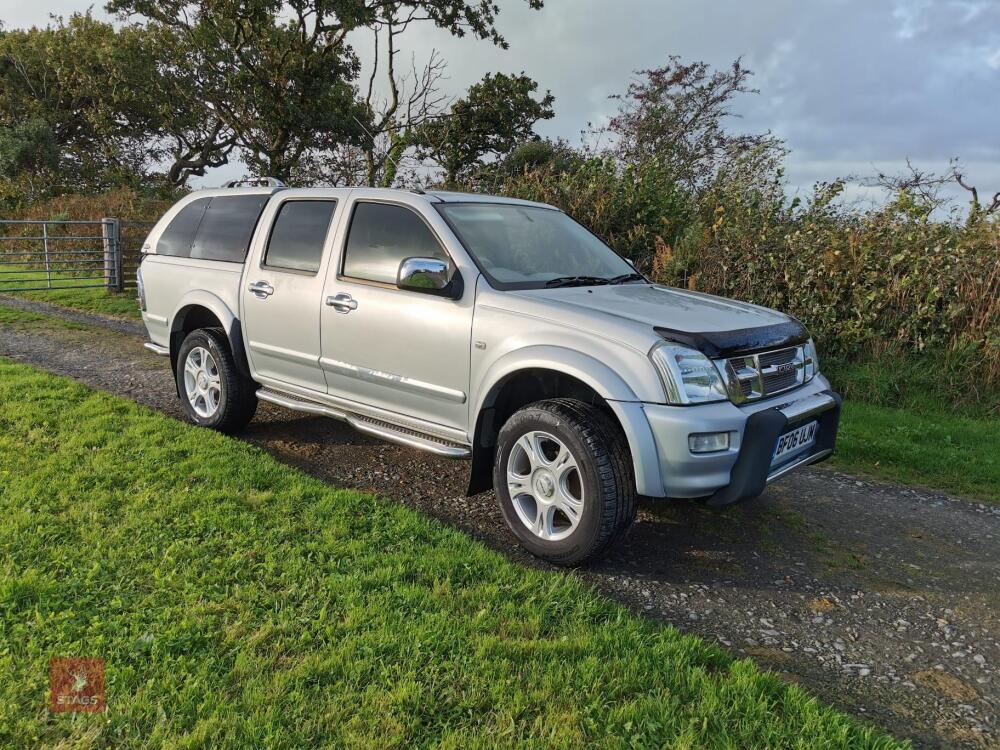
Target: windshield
[(526, 247)]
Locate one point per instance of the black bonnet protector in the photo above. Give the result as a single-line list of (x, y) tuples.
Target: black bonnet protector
[(715, 344)]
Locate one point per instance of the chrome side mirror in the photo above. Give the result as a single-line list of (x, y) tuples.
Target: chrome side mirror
[(430, 276)]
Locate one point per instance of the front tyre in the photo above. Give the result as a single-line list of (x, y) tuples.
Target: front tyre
[(564, 481), (213, 391)]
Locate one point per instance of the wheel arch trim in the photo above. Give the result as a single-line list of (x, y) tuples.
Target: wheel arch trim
[(642, 445), (207, 300), (607, 383), (602, 379), (199, 298)]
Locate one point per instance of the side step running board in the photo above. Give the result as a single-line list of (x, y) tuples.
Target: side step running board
[(375, 427), (299, 404), (405, 436)]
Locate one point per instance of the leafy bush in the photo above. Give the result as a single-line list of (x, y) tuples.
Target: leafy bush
[(870, 284), (124, 204), (634, 208)]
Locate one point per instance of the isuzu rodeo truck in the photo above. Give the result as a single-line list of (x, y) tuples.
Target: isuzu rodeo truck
[(482, 328)]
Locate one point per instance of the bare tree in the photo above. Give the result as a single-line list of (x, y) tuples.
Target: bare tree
[(677, 114), (413, 98), (977, 207), (922, 183), (928, 186)]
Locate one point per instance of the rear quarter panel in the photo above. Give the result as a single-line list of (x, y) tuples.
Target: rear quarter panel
[(174, 283)]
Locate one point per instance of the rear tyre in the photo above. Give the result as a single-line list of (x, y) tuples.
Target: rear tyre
[(564, 481), (213, 391)]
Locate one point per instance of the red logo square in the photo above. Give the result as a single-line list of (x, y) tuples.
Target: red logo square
[(76, 684)]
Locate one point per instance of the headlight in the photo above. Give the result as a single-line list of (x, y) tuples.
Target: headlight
[(811, 360), (688, 376)]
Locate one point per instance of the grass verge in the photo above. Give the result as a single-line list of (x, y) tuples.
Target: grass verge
[(115, 304), (931, 382), (91, 299), (909, 419), (13, 317), (239, 602), (933, 448)]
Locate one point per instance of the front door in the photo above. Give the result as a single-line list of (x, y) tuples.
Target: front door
[(283, 293), (403, 351)]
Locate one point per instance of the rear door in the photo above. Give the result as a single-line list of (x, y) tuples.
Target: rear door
[(283, 286), (398, 350)]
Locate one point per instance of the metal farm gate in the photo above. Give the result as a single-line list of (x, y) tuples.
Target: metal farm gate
[(38, 255)]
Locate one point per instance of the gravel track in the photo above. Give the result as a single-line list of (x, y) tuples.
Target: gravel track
[(878, 598)]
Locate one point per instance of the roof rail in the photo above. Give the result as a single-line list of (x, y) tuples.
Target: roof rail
[(263, 181)]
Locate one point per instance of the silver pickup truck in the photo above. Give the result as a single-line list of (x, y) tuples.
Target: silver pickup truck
[(482, 328)]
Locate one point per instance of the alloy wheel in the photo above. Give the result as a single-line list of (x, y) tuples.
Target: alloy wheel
[(202, 383), (545, 485)]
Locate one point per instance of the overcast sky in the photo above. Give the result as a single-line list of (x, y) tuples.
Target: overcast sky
[(853, 86)]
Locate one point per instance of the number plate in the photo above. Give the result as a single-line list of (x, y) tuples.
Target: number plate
[(795, 441)]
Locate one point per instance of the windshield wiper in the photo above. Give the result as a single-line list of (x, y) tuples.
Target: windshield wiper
[(576, 281), (626, 277)]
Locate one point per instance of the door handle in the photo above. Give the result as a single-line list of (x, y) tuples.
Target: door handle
[(261, 289), (342, 303)]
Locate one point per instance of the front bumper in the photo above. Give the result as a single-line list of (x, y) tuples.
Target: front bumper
[(744, 470), (753, 471)]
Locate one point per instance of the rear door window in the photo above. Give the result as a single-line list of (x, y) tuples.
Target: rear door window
[(178, 237), (227, 227), (298, 235)]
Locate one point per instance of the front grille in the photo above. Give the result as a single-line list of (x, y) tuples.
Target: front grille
[(746, 388), (780, 381), (766, 373), (777, 357)]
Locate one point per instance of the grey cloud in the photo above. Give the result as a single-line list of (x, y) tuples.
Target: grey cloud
[(847, 83)]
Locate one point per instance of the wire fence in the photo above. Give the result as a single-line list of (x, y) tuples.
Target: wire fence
[(37, 255)]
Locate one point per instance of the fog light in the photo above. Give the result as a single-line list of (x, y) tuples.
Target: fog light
[(708, 442)]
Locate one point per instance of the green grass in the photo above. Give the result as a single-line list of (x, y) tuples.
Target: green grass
[(92, 300), (932, 382), (13, 317), (913, 419), (119, 305), (241, 603), (930, 447)]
